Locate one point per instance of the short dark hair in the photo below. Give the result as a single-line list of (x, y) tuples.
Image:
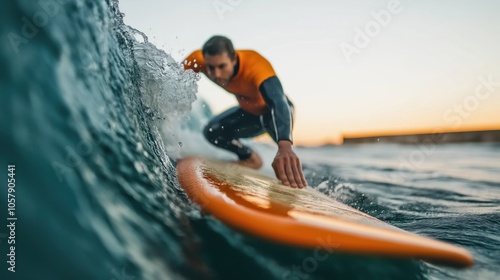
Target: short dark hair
[(217, 45)]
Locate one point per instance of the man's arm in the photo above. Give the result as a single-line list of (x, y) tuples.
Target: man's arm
[(286, 164), (195, 62), (276, 101)]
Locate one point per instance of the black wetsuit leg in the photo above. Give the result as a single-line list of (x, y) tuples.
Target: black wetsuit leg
[(225, 130)]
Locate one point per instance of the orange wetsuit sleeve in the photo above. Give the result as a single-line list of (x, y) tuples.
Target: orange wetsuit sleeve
[(195, 62), (261, 69)]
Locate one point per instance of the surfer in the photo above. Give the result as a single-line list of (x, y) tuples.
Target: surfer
[(263, 106)]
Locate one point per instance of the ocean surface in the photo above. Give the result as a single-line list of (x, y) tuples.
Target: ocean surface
[(93, 119)]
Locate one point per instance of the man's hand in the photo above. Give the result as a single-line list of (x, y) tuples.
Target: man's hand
[(287, 166)]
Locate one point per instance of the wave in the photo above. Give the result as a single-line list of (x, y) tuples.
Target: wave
[(92, 113)]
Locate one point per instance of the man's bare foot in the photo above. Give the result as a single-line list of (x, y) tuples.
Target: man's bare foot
[(254, 162)]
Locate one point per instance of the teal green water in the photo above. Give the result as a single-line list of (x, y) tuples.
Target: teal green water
[(90, 119)]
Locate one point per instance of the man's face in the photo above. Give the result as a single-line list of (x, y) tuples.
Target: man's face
[(220, 68)]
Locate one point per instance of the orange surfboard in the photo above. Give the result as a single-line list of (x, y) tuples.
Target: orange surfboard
[(260, 205)]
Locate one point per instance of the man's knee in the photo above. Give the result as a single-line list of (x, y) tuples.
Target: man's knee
[(212, 131), (207, 131)]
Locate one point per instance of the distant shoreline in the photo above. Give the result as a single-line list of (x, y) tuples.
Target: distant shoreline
[(436, 138)]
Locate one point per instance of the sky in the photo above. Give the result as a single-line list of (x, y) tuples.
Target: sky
[(352, 68)]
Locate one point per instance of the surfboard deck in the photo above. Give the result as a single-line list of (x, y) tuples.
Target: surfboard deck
[(251, 202)]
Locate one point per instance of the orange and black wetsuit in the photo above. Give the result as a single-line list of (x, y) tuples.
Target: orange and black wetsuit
[(263, 106)]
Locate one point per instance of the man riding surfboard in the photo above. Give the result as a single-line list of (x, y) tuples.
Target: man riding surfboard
[(263, 106)]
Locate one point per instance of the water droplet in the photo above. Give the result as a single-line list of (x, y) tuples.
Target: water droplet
[(138, 167), (139, 147), (180, 144)]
